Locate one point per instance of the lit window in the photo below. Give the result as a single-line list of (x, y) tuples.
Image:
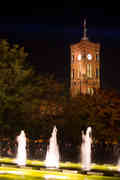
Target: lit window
[(73, 73), (89, 70), (72, 58), (79, 71), (90, 91)]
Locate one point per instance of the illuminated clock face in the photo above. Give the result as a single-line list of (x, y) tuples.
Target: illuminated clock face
[(79, 57), (89, 56)]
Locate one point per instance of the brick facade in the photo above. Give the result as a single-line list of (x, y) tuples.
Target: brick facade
[(84, 67)]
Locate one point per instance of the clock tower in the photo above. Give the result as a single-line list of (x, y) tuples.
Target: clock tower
[(84, 66)]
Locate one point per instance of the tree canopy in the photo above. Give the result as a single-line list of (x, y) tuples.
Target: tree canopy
[(23, 93), (101, 111)]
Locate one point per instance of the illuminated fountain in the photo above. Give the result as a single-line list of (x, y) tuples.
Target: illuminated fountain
[(52, 155), (71, 171), (21, 151), (118, 164), (86, 149)]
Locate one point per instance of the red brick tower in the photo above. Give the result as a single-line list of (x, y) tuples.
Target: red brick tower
[(85, 66)]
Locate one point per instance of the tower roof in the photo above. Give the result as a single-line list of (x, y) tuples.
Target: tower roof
[(86, 43)]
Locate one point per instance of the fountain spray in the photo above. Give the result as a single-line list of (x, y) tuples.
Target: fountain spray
[(86, 149), (52, 155), (21, 151)]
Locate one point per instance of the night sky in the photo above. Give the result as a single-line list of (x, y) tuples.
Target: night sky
[(46, 34)]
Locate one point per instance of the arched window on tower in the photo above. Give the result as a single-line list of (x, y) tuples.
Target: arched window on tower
[(90, 91), (79, 71), (89, 70), (73, 74), (72, 58)]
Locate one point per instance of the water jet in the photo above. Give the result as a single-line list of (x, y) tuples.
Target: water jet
[(52, 155), (21, 151), (86, 149)]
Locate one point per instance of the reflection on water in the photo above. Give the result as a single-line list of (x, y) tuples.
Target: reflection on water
[(50, 176), (9, 173), (55, 177)]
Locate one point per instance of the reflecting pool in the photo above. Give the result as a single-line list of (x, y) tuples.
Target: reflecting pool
[(9, 173)]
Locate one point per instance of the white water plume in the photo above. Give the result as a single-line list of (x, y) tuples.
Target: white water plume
[(86, 149), (21, 151), (52, 155)]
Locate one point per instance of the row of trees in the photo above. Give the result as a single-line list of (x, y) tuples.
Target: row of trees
[(36, 103), (101, 111)]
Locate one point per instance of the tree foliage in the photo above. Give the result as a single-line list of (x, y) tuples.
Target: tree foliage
[(23, 93), (101, 111)]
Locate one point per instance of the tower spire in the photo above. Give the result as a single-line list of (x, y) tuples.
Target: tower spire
[(84, 31)]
